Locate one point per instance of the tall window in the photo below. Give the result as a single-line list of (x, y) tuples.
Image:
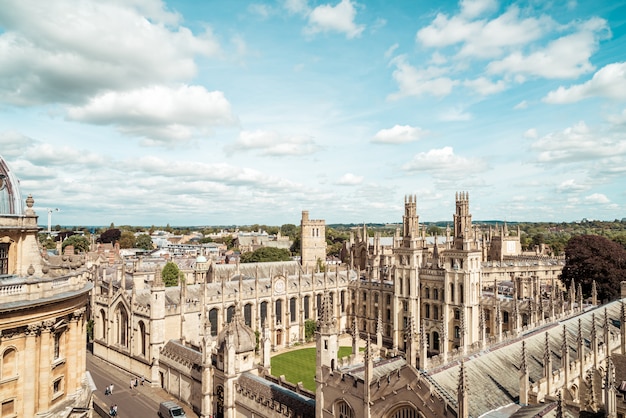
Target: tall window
[(404, 412), (292, 309), (247, 314), (427, 311), (343, 410), (436, 294), (229, 313), (57, 345), (435, 312), (264, 314), (213, 321), (279, 311), (142, 338), (9, 364), (4, 258), (307, 302), (122, 326)]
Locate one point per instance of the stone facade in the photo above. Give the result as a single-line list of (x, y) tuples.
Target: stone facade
[(43, 302)]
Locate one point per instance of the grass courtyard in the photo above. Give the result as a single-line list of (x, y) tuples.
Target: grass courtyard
[(299, 365)]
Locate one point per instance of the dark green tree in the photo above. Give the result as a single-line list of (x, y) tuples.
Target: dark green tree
[(170, 274), (309, 329), (110, 236), (80, 243), (127, 239), (592, 257), (144, 242), (289, 230), (265, 254)]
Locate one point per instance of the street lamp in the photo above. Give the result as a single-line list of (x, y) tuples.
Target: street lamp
[(50, 219)]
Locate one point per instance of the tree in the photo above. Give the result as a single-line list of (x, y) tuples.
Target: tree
[(265, 254), (144, 242), (127, 239), (592, 257), (80, 243), (110, 236), (289, 230), (170, 274), (309, 329)]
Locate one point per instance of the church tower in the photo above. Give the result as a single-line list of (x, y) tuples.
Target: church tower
[(312, 242), (327, 347), (462, 221)]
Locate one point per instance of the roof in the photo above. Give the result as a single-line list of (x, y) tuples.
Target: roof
[(496, 370)]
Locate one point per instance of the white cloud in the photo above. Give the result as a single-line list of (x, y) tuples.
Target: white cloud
[(297, 6), (339, 18), (399, 134), (597, 198), (13, 143), (483, 38), (565, 57), (609, 82), (578, 143), (474, 8), (109, 47), (484, 86), (531, 133), (415, 82), (571, 186), (442, 163), (389, 52), (262, 10), (158, 113), (349, 179), (270, 143), (619, 119), (455, 114), (521, 105)]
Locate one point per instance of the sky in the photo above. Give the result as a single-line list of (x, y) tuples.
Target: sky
[(143, 112)]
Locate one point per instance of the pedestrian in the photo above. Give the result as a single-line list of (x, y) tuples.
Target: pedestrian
[(131, 383), (106, 391), (111, 389), (112, 411), (115, 409), (136, 382), (143, 379)]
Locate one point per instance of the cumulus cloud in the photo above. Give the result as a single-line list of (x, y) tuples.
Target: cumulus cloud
[(339, 18), (270, 143), (484, 86), (443, 162), (565, 57), (521, 105), (597, 198), (455, 114), (482, 38), (297, 6), (45, 154), (111, 46), (399, 134), (158, 113), (578, 143), (618, 119), (349, 179), (417, 82), (609, 82), (13, 143), (571, 186)]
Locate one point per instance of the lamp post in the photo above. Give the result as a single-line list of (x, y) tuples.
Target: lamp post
[(50, 219)]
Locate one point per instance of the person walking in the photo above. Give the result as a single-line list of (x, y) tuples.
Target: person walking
[(111, 389)]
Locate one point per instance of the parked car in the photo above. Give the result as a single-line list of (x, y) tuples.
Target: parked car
[(170, 409)]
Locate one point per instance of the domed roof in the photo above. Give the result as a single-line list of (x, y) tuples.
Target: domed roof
[(244, 338), (201, 259), (10, 196)]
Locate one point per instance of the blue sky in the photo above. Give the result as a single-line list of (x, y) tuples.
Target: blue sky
[(229, 112)]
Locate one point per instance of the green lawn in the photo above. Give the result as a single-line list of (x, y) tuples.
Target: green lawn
[(299, 365)]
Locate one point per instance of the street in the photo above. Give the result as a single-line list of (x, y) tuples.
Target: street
[(139, 402)]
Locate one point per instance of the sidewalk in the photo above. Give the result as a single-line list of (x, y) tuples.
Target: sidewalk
[(121, 379)]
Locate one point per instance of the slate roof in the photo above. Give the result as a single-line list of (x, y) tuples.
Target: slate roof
[(493, 374)]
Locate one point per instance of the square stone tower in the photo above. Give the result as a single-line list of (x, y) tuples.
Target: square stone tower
[(312, 242)]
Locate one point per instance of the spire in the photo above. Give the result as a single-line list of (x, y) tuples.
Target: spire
[(524, 386), (327, 319), (591, 403), (594, 294), (462, 392)]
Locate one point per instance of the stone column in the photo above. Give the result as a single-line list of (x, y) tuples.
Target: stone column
[(30, 373), (44, 366)]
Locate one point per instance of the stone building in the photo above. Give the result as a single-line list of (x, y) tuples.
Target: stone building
[(43, 301), (439, 340)]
